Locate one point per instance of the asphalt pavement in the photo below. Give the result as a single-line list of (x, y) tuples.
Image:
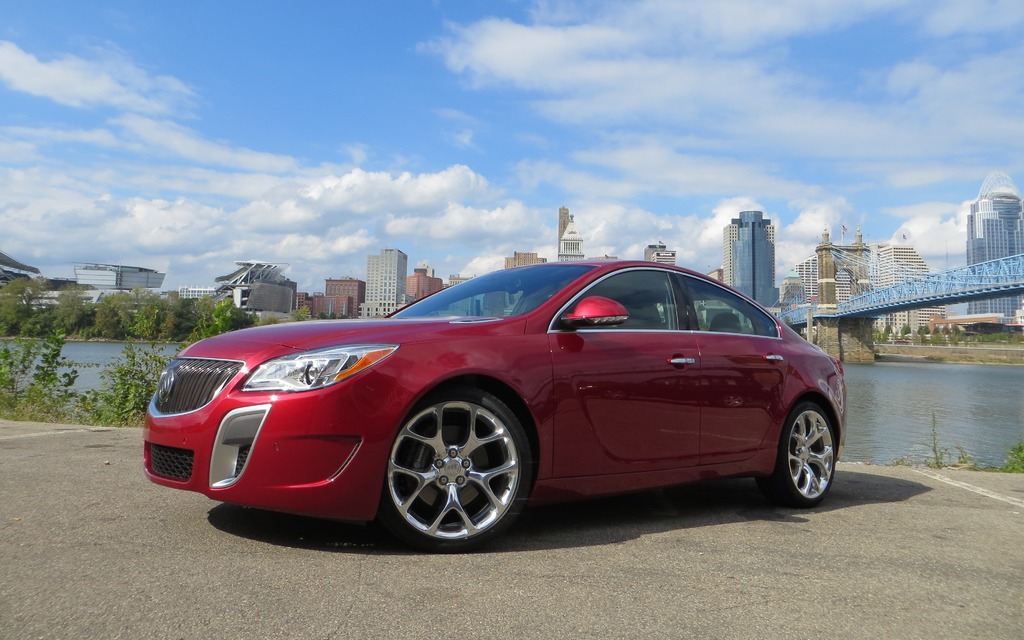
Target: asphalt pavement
[(90, 549)]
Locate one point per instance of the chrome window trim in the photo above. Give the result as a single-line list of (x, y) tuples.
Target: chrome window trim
[(553, 325)]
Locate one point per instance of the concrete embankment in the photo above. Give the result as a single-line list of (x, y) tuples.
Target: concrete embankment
[(966, 355)]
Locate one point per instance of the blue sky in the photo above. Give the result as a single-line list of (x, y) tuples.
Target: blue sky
[(185, 136)]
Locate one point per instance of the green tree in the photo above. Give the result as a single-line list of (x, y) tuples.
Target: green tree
[(17, 303)]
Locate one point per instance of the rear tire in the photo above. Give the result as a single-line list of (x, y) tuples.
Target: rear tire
[(458, 474), (805, 462)]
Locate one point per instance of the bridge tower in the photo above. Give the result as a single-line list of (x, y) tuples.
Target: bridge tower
[(849, 339)]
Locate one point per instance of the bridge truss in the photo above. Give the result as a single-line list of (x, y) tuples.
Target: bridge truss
[(992, 279)]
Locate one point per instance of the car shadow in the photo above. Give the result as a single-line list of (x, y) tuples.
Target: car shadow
[(592, 522)]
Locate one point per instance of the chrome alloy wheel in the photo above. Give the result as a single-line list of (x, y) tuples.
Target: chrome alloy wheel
[(811, 455), (454, 470)]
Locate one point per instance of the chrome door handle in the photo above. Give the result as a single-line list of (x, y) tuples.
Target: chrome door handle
[(774, 358), (680, 361)]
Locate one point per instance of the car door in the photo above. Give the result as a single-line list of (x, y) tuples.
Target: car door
[(742, 370), (627, 397)]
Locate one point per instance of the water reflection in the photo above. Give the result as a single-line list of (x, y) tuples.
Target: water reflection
[(977, 407)]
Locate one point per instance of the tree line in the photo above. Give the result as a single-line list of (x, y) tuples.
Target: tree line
[(28, 310)]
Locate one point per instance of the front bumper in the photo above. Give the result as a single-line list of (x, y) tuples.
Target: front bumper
[(319, 453)]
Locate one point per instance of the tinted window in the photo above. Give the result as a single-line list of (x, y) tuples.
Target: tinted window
[(647, 296), (500, 294), (723, 311)]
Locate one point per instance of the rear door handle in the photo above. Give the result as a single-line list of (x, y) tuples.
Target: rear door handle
[(772, 357)]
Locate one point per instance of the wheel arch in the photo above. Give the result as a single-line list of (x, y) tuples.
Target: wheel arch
[(826, 406)]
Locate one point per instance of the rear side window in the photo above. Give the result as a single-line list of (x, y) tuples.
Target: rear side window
[(722, 311)]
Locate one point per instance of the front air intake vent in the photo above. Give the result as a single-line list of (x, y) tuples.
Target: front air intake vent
[(188, 384), (171, 462)]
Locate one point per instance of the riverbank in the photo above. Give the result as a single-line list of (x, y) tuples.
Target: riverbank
[(950, 354)]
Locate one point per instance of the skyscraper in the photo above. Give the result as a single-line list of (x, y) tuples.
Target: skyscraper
[(995, 229), (385, 283), (748, 248), (563, 221), (893, 264), (570, 243)]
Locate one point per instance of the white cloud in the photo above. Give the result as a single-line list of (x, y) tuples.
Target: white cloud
[(110, 80)]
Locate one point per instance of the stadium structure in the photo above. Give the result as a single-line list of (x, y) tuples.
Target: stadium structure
[(258, 286), (116, 276), (11, 269)]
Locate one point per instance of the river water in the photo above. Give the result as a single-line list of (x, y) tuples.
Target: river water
[(978, 408)]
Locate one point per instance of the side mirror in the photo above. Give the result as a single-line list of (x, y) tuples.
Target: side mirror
[(595, 311)]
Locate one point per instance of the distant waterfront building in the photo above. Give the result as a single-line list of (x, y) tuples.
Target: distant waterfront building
[(195, 293), (748, 251), (257, 286), (522, 259), (422, 283), (659, 253), (570, 242), (893, 264), (385, 283), (116, 276), (456, 278), (995, 229), (341, 299)]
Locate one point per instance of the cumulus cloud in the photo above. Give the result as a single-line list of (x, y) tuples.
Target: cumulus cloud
[(109, 80)]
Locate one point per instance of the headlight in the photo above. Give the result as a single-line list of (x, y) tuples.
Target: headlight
[(316, 369)]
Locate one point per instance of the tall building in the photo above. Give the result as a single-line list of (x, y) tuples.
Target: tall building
[(563, 221), (807, 270), (660, 254), (570, 243), (748, 248), (893, 264), (422, 283), (385, 283), (995, 229)]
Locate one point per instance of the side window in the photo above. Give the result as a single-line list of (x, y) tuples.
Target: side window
[(723, 311), (647, 296)]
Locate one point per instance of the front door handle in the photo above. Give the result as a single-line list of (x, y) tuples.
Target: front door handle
[(679, 361), (772, 357)]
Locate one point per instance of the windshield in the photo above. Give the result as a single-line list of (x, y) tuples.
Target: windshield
[(500, 294)]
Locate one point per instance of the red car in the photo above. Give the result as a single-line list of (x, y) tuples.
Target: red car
[(526, 386)]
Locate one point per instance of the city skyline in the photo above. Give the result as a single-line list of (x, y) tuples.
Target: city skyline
[(149, 134)]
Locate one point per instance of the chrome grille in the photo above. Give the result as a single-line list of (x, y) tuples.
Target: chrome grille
[(189, 384), (171, 462)]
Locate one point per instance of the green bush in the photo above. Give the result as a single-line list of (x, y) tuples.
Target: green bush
[(36, 381), (1015, 461), (130, 382)]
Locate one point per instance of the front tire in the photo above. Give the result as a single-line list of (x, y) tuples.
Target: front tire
[(458, 474), (805, 463)]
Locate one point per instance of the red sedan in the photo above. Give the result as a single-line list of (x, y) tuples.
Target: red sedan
[(532, 385)]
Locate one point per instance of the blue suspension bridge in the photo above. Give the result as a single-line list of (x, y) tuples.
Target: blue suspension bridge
[(844, 329)]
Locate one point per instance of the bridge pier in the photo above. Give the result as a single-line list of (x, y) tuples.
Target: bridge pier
[(849, 339)]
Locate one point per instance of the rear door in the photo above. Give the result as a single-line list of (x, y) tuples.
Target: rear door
[(742, 370)]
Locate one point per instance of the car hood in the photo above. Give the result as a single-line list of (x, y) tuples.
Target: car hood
[(261, 343)]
